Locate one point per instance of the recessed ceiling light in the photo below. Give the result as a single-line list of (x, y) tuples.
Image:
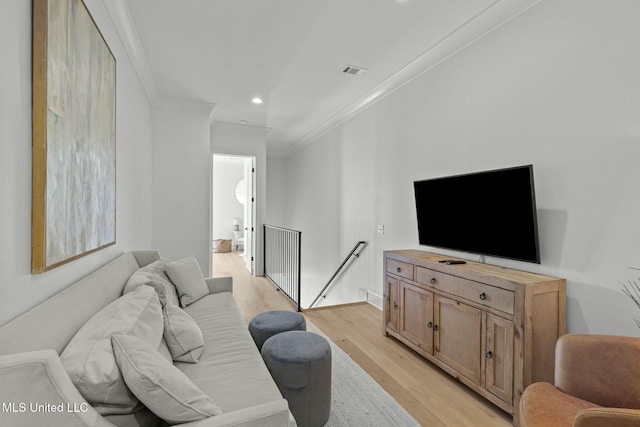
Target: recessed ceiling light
[(257, 100)]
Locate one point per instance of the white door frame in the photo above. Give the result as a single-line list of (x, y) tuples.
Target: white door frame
[(250, 202), (250, 213)]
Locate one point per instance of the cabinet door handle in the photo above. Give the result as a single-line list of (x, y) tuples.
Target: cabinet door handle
[(433, 280), (398, 269), (489, 354), (430, 325), (435, 327), (483, 296)]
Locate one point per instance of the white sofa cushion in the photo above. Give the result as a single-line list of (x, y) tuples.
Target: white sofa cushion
[(165, 390), (230, 370), (154, 275), (89, 359), (187, 277), (182, 334)]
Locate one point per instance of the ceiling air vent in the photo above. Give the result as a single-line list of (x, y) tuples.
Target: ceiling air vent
[(353, 71)]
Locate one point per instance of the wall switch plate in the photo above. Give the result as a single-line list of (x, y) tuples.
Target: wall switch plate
[(380, 229)]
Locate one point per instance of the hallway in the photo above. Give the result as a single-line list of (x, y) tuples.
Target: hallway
[(430, 395)]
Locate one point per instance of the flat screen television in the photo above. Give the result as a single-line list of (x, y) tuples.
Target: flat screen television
[(487, 213)]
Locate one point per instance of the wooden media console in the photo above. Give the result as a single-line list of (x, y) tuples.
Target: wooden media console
[(493, 328)]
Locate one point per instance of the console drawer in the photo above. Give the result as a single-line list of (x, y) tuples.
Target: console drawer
[(500, 299), (438, 280), (400, 268)]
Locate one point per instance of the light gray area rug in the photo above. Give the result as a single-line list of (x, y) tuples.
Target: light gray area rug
[(356, 399)]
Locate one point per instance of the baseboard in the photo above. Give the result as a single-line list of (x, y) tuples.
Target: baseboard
[(374, 299), (334, 306)]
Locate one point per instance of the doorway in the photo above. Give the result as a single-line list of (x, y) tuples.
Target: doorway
[(233, 204)]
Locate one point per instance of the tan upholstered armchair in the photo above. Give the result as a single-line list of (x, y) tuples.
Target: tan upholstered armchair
[(597, 383)]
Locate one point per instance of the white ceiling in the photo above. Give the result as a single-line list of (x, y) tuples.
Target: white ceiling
[(291, 53)]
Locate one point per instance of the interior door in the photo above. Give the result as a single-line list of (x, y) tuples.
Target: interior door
[(249, 213)]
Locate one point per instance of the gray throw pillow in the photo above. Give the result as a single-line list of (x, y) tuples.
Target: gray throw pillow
[(187, 277), (182, 334), (162, 387)]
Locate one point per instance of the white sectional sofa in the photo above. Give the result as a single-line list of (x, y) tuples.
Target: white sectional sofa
[(35, 389)]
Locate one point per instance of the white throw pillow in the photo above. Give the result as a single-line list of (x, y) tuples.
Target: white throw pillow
[(158, 384), (155, 276), (187, 277), (89, 360), (182, 334)]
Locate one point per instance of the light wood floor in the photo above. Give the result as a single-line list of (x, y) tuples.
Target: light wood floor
[(432, 397)]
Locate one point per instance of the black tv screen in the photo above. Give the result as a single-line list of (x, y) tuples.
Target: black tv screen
[(486, 213)]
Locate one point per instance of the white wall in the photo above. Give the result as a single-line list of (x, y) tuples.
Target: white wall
[(276, 189), (557, 87), (19, 289), (182, 185), (227, 171), (231, 139)]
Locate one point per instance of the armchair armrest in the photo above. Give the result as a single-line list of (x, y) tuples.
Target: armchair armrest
[(270, 414), (38, 378), (219, 284), (610, 417), (598, 369)]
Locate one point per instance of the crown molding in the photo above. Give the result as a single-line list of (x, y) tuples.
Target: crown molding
[(484, 22), (279, 154), (126, 29), (492, 17), (245, 125), (183, 104)]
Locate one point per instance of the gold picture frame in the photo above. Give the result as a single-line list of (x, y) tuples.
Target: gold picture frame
[(74, 141)]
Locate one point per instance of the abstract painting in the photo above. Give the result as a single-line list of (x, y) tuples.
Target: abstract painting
[(74, 141)]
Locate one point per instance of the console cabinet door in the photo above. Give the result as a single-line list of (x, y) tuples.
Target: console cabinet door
[(457, 336), (416, 316), (392, 311), (499, 357)]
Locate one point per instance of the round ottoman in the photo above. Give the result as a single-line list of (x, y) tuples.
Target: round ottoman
[(300, 364), (267, 324)]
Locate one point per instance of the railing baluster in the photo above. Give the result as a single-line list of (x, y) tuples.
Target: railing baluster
[(282, 260)]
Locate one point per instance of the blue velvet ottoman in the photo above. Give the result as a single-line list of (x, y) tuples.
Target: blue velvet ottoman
[(300, 364), (270, 323)]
